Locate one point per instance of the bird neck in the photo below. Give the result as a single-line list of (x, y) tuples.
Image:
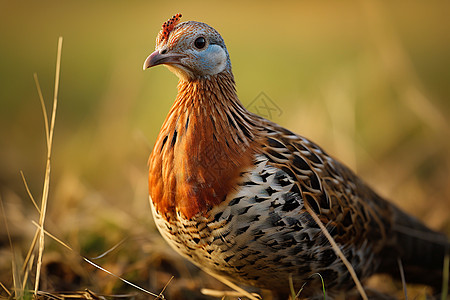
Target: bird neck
[(204, 143)]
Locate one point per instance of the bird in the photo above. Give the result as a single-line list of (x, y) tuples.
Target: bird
[(235, 193)]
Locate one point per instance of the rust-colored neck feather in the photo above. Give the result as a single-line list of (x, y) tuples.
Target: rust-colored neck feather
[(204, 143)]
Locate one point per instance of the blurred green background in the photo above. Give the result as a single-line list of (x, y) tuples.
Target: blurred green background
[(367, 80)]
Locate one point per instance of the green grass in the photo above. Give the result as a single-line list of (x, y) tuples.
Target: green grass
[(295, 295)]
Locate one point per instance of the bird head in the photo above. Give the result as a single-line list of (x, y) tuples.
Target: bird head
[(190, 49)]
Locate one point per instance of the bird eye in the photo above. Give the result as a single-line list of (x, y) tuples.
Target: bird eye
[(200, 43)]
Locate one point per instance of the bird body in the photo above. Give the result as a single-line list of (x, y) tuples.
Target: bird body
[(230, 190)]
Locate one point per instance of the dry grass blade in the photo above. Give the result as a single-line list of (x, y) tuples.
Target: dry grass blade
[(29, 192), (123, 280), (296, 296), (235, 287), (109, 250), (49, 132), (402, 276), (161, 296), (222, 294), (80, 295), (338, 253), (44, 110), (27, 272), (55, 92), (52, 236), (30, 252), (6, 290)]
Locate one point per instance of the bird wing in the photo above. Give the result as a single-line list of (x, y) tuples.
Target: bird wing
[(343, 202)]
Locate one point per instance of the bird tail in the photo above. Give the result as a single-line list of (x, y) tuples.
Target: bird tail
[(420, 250)]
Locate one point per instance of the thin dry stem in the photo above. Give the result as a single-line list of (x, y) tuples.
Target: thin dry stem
[(402, 276), (109, 250), (29, 192), (221, 294), (120, 278), (55, 93), (52, 236), (6, 290), (44, 110), (234, 286), (30, 251), (161, 296), (48, 168), (338, 252)]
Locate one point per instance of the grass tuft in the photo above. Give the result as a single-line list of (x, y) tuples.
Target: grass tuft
[(20, 279), (49, 134)]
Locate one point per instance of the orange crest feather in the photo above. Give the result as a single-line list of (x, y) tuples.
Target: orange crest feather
[(167, 27)]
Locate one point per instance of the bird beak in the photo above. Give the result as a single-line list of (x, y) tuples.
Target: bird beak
[(157, 58)]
